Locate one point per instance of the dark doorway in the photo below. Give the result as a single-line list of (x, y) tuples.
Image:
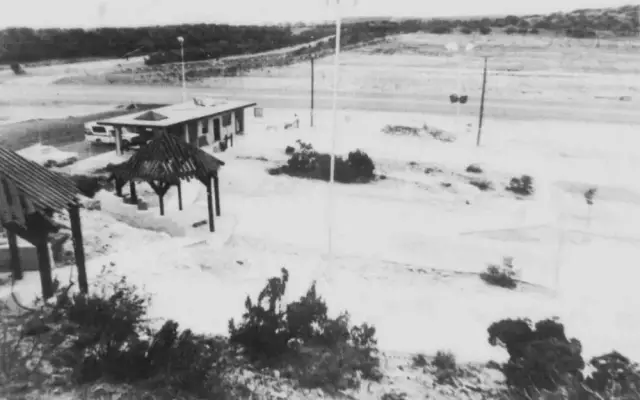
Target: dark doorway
[(216, 129)]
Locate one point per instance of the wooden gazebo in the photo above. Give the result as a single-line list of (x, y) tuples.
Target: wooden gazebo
[(163, 163), (30, 194)]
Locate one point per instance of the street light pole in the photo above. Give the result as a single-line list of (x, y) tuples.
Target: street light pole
[(184, 83)]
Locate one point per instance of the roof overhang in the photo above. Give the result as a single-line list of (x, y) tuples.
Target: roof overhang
[(196, 114)]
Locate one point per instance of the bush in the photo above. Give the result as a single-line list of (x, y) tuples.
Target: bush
[(474, 169), (107, 338), (522, 185), (17, 69), (540, 357), (445, 363), (306, 162), (511, 30), (289, 150), (482, 184), (501, 275), (320, 352), (419, 361), (615, 374), (87, 185), (466, 30), (485, 30)]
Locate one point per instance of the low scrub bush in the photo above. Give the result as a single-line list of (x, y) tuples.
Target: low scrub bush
[(316, 350), (87, 185), (474, 169), (419, 361), (541, 357), (501, 275), (305, 162), (446, 367), (522, 185), (482, 184), (104, 336), (401, 130)]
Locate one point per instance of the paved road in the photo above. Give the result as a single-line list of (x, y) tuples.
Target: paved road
[(593, 110)]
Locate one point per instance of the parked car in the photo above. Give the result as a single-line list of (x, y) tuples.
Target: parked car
[(102, 134)]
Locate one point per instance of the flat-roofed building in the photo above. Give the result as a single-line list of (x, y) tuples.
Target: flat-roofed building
[(204, 122)]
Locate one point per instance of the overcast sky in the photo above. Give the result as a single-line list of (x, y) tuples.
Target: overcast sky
[(92, 13)]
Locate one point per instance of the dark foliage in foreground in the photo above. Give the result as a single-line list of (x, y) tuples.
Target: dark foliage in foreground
[(304, 341)]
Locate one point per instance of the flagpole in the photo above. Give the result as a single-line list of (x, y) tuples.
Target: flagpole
[(336, 71)]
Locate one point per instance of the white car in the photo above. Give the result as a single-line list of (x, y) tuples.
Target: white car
[(103, 134)]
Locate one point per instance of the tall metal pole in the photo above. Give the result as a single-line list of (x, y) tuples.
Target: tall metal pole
[(484, 86), (184, 83), (336, 68), (312, 88)]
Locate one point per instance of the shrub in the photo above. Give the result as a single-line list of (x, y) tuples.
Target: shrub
[(615, 374), (474, 169), (320, 351), (107, 338), (419, 361), (482, 184), (501, 275), (361, 164), (522, 185), (306, 162), (289, 150), (466, 30), (511, 30), (87, 185), (540, 357), (485, 30), (401, 130), (445, 363), (17, 69)]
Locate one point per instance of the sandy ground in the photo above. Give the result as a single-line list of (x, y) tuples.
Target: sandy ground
[(406, 250)]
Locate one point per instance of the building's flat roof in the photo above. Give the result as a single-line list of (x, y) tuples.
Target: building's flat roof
[(178, 113)]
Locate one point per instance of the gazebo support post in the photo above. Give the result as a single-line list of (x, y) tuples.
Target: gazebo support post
[(179, 196), (207, 182), (119, 185), (160, 189), (132, 192), (216, 184), (44, 265), (231, 139), (78, 247), (14, 252)]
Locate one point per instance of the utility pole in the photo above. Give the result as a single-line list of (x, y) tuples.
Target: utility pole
[(312, 87), (184, 83), (484, 87), (336, 80)]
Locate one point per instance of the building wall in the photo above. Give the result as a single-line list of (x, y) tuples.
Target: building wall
[(205, 137)]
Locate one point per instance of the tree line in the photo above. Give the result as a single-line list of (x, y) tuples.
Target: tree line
[(209, 41)]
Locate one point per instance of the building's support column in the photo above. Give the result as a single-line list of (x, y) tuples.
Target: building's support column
[(179, 195), (185, 128)]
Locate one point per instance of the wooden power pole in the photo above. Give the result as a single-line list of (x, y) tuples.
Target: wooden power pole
[(484, 87)]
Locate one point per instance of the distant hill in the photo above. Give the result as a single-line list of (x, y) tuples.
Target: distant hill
[(211, 41)]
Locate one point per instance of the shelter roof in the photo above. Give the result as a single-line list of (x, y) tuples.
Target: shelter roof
[(27, 187), (178, 113), (168, 159)]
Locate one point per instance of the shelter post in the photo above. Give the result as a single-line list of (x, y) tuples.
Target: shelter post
[(119, 185), (216, 184), (161, 190), (44, 265), (78, 248), (207, 182), (132, 192), (118, 140), (14, 252), (179, 185)]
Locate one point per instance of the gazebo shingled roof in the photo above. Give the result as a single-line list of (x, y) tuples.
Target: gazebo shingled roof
[(167, 159), (39, 189), (29, 194)]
